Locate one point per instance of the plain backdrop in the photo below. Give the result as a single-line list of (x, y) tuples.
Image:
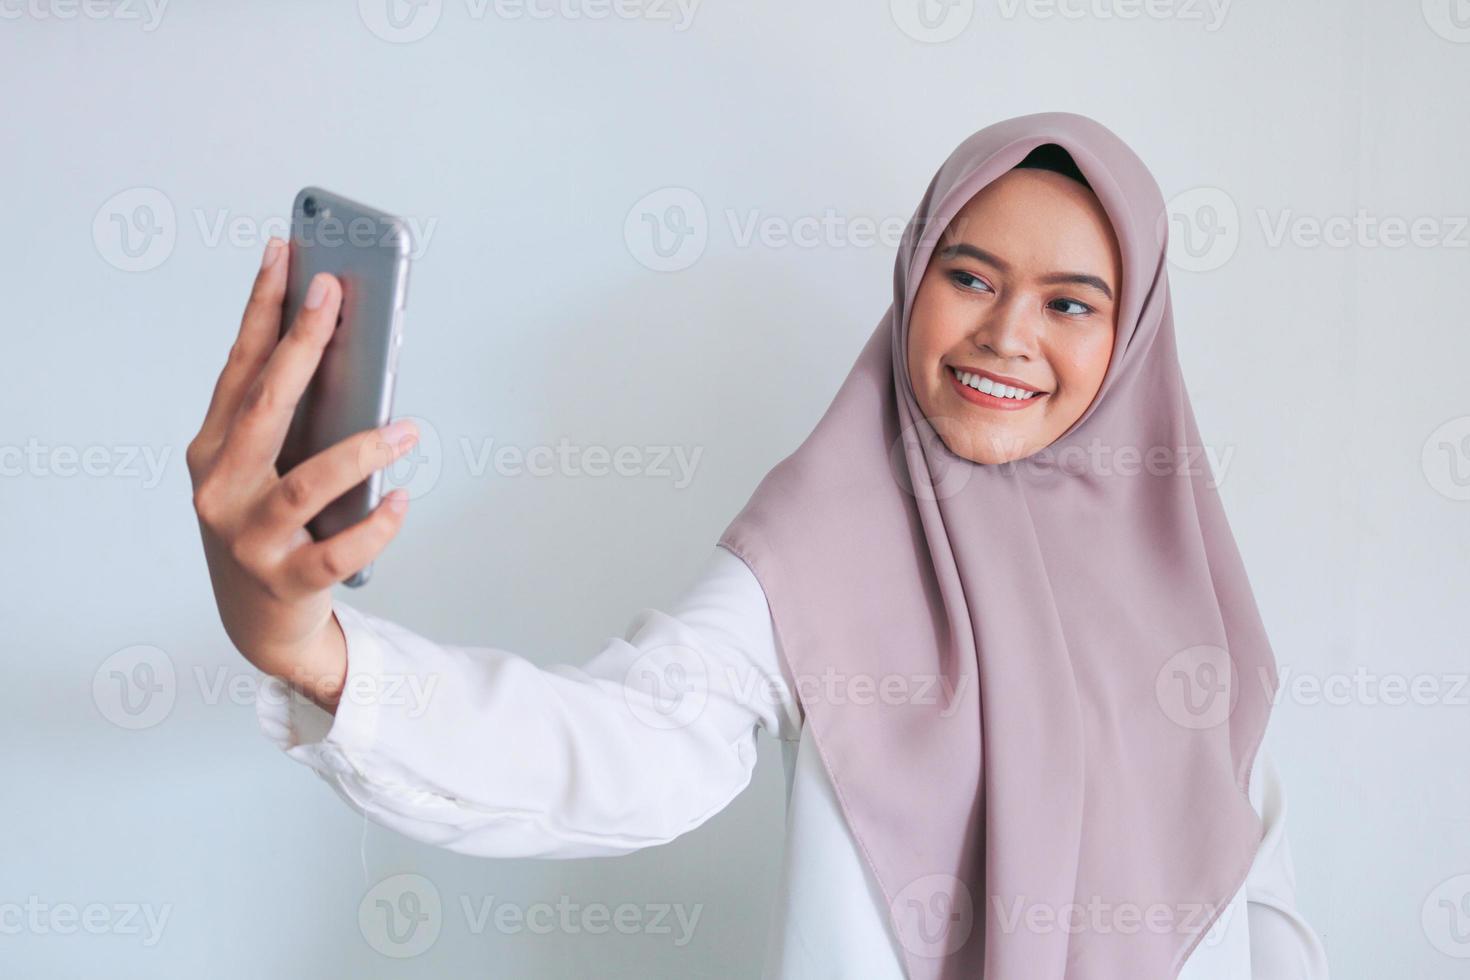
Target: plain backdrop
[(672, 230)]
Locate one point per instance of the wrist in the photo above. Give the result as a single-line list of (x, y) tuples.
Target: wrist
[(320, 671)]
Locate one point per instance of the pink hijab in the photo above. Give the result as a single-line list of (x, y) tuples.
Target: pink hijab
[(1038, 687)]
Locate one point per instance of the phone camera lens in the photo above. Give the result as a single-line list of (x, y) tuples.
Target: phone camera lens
[(309, 207)]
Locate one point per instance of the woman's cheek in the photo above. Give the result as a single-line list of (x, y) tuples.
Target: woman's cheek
[(1081, 363)]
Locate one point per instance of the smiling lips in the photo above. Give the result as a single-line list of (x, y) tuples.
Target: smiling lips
[(986, 390)]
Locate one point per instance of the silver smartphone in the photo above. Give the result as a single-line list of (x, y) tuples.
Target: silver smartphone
[(352, 389)]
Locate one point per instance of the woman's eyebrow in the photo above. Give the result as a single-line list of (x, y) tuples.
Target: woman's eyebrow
[(980, 255)]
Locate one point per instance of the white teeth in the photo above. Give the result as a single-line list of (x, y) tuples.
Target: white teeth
[(980, 383)]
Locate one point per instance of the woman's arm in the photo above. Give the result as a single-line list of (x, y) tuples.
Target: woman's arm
[(1283, 946), (479, 750)]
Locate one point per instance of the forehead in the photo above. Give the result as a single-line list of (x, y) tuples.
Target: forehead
[(1038, 214)]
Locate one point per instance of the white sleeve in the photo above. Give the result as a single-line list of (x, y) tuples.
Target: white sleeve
[(479, 750), (1283, 946)]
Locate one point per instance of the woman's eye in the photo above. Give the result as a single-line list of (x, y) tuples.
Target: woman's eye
[(1080, 309), (966, 280)]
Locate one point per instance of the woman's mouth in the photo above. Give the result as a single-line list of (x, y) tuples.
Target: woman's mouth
[(982, 390)]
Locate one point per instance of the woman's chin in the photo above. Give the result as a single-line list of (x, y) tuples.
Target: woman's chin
[(989, 444)]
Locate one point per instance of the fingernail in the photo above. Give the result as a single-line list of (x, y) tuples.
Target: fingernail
[(317, 292), (272, 249), (398, 500), (401, 434)]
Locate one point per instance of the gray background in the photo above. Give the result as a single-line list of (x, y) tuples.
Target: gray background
[(1333, 373)]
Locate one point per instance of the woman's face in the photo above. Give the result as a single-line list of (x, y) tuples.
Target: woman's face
[(1021, 290)]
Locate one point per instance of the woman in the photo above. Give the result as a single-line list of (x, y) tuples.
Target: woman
[(991, 606)]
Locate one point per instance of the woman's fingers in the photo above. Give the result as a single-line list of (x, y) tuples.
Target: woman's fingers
[(260, 329), (264, 414), (302, 493), (322, 564)]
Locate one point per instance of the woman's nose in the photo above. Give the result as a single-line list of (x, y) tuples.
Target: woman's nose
[(1008, 329)]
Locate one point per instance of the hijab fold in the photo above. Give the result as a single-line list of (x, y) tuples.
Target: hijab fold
[(1043, 683)]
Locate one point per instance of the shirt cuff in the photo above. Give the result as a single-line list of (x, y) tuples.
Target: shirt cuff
[(313, 736)]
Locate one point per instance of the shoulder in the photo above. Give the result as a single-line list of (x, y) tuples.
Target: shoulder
[(724, 600), (724, 613)]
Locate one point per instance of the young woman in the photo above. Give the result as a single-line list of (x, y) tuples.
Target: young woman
[(991, 606)]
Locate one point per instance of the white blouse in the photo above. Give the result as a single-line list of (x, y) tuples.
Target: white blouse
[(646, 741)]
